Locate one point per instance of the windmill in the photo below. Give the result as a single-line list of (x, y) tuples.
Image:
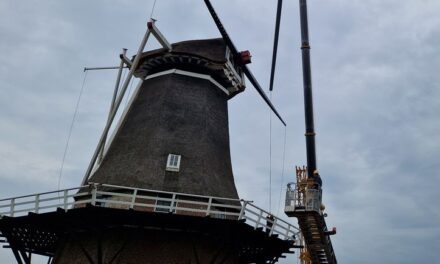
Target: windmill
[(160, 188)]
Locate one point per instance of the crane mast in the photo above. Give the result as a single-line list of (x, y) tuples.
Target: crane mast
[(304, 198), (308, 95)]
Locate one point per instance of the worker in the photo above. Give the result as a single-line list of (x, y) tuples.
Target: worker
[(317, 179)]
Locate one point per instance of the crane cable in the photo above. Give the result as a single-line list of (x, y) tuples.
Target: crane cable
[(270, 163), (282, 171), (272, 79), (71, 129), (270, 156), (152, 9)]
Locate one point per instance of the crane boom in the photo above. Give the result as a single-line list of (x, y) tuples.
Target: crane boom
[(304, 201)]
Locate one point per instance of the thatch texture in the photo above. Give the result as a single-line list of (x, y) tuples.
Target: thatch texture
[(174, 114)]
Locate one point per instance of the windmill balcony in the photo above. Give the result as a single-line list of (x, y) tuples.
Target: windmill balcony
[(149, 201)]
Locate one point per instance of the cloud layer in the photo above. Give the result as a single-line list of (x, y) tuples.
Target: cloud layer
[(377, 99)]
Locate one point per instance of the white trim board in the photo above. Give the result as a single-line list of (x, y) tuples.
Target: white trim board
[(191, 74)]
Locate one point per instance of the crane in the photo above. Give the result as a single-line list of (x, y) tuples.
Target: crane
[(304, 199)]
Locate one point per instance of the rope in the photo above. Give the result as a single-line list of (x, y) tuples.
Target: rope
[(282, 171), (152, 9), (71, 129)]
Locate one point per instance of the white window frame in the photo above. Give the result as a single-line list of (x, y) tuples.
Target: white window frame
[(173, 162)]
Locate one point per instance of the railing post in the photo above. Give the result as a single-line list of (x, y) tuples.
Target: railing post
[(208, 211), (65, 200), (259, 218), (286, 236), (93, 202), (133, 199), (243, 208), (37, 203), (12, 207), (274, 223), (173, 201), (295, 199)]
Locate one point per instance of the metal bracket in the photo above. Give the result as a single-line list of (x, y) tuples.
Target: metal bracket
[(116, 106), (158, 35), (126, 60)]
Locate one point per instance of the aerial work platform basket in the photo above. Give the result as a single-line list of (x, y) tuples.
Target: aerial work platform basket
[(303, 196), (304, 201)]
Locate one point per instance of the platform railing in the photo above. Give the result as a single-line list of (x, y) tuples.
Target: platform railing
[(121, 197), (307, 199)]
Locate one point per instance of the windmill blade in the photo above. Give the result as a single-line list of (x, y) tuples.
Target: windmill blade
[(220, 27), (275, 43), (246, 70), (257, 87)]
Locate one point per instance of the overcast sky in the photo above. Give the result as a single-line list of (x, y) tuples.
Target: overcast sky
[(376, 93)]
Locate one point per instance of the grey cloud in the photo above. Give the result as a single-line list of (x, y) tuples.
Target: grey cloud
[(375, 67)]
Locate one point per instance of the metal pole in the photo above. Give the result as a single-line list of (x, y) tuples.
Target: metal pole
[(308, 97), (159, 36), (112, 105), (116, 106), (102, 68), (106, 130)]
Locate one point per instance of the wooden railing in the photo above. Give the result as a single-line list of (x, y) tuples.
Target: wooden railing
[(121, 197)]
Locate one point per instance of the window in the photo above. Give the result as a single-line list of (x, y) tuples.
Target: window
[(173, 162)]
